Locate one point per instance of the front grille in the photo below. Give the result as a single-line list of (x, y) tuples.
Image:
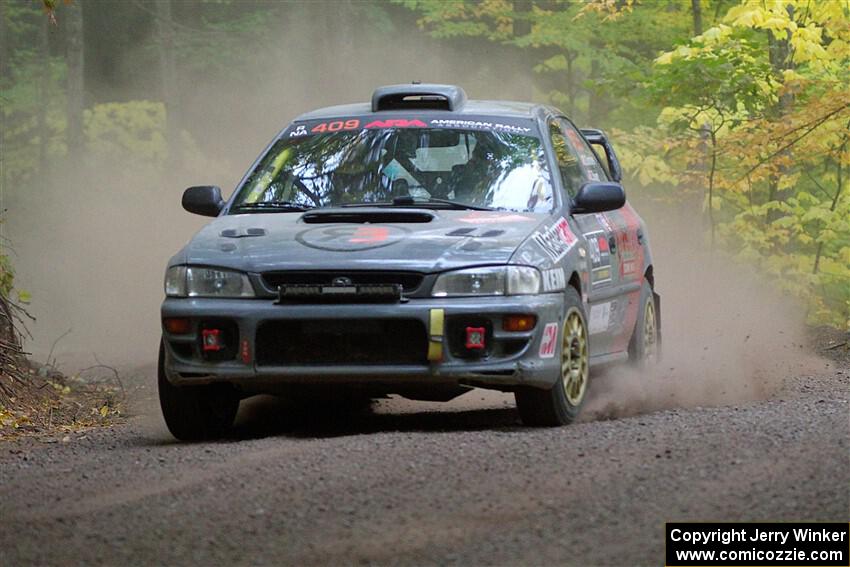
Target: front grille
[(334, 341), (409, 281)]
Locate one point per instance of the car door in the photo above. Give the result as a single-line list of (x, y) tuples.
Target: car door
[(627, 244), (599, 279)]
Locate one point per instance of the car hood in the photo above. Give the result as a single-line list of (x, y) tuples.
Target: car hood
[(363, 239)]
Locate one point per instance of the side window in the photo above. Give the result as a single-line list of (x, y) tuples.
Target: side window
[(590, 164), (572, 175)]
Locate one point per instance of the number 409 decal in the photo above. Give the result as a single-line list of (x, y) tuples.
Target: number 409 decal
[(336, 126)]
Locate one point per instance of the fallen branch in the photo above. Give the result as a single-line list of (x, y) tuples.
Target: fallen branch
[(110, 368), (53, 346)]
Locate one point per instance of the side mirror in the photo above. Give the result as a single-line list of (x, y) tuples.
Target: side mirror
[(204, 200), (598, 138), (598, 197)]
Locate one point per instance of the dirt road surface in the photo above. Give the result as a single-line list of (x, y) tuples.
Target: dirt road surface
[(409, 483)]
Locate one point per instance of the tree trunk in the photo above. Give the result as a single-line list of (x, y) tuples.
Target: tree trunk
[(696, 7), (4, 43), (522, 27), (840, 178), (711, 172), (779, 52), (597, 106), (44, 94), (571, 82), (75, 60), (168, 79)]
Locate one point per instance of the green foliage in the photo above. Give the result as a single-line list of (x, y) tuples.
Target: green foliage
[(757, 114), (128, 131), (7, 275), (719, 73), (225, 38)]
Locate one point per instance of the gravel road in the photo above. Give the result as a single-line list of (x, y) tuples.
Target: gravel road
[(412, 483)]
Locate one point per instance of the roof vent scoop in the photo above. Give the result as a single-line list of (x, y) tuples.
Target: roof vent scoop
[(418, 97)]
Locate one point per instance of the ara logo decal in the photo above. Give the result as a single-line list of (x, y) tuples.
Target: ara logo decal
[(549, 340), (556, 240), (554, 280), (398, 123), (301, 130)]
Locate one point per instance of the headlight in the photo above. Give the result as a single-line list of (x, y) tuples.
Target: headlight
[(190, 281), (497, 280)]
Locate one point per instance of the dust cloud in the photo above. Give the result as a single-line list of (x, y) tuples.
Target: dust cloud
[(91, 240), (728, 336)]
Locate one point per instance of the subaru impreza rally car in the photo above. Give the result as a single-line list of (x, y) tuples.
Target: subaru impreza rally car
[(420, 245)]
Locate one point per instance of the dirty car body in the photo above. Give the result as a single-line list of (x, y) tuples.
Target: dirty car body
[(422, 245)]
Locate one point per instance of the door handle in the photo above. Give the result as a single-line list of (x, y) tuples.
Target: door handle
[(640, 236), (612, 244)]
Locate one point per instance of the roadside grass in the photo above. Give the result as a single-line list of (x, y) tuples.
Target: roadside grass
[(40, 401)]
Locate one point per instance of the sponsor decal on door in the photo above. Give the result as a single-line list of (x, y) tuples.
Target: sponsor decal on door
[(600, 316)]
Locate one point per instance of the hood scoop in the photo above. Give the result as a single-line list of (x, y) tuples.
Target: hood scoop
[(366, 217)]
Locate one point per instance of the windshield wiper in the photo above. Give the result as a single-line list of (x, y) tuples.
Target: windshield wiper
[(409, 201), (275, 206), (452, 204)]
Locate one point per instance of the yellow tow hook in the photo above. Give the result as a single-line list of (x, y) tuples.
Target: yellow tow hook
[(435, 334)]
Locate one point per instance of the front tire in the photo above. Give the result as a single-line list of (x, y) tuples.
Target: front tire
[(560, 405), (194, 413)]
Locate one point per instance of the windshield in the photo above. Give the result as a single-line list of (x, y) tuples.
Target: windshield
[(314, 166)]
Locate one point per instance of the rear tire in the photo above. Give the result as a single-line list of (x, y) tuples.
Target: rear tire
[(194, 413), (560, 405), (643, 347)]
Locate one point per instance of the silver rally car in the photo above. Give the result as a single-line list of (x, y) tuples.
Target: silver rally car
[(421, 245)]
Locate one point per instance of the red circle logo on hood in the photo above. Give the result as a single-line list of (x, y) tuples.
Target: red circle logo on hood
[(351, 238)]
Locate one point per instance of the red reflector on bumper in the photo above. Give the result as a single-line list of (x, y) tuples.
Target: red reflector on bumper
[(212, 340), (475, 338)]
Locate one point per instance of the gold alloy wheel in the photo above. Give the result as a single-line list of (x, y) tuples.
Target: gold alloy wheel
[(574, 359), (650, 335)]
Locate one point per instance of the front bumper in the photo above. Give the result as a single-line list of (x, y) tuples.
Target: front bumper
[(520, 365)]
